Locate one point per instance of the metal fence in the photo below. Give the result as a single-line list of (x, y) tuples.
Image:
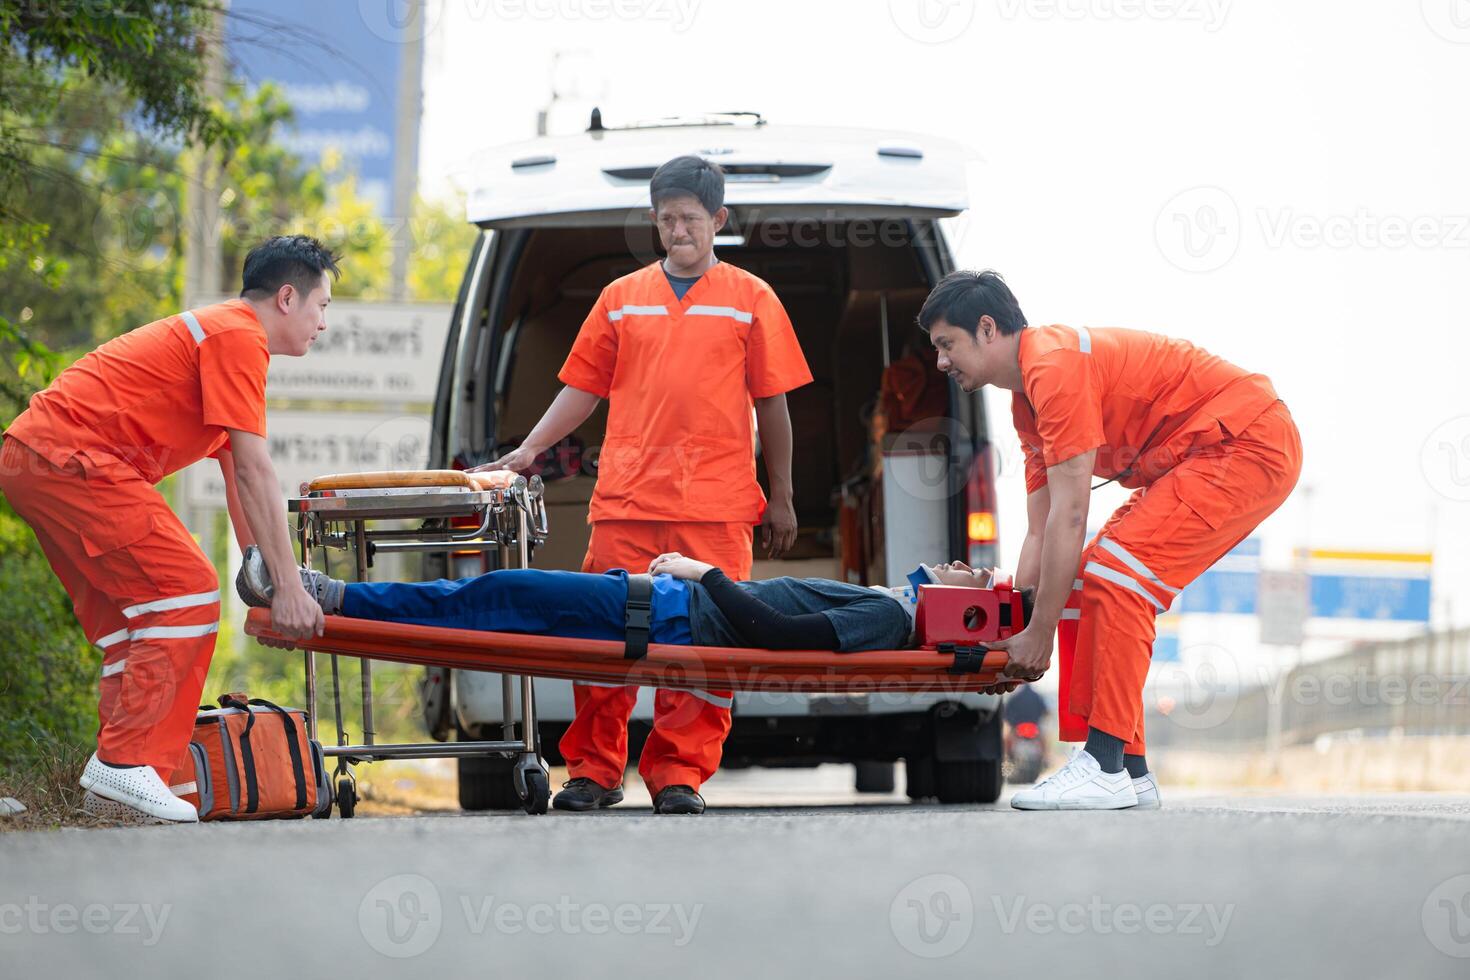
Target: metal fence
[(1419, 686)]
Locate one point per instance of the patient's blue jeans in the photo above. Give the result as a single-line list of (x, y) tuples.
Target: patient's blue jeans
[(524, 600)]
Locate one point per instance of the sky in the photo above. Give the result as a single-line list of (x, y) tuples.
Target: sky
[(1282, 184)]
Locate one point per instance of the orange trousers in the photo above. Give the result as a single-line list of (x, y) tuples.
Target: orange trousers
[(689, 727), (142, 590), (1159, 541)]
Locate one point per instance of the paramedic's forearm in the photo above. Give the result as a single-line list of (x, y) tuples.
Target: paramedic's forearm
[(1028, 566), (238, 520), (1068, 488), (1060, 552), (294, 614), (260, 499), (773, 422), (1038, 511), (570, 408)]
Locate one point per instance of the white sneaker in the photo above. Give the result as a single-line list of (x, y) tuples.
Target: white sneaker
[(1079, 785), (1147, 790), (137, 787), (101, 806)]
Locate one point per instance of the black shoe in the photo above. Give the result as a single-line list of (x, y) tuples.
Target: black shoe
[(583, 794), (678, 799)]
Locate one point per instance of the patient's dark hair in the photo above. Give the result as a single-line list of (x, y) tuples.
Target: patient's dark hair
[(689, 177), (963, 297), (298, 259)]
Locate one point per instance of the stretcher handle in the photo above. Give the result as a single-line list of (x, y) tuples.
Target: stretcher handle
[(388, 479), (494, 480)]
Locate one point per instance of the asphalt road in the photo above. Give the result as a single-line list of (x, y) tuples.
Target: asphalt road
[(1210, 886)]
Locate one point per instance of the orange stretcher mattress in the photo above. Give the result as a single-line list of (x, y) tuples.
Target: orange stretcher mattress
[(925, 670)]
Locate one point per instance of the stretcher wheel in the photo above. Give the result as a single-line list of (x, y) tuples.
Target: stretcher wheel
[(346, 798), (538, 792)]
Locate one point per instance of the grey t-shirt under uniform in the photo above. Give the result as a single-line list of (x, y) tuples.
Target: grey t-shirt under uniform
[(680, 284), (862, 618)]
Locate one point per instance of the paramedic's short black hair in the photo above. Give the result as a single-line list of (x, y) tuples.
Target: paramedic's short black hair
[(962, 298), (298, 259), (689, 177)]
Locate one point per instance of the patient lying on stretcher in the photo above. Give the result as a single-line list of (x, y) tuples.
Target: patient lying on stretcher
[(693, 603)]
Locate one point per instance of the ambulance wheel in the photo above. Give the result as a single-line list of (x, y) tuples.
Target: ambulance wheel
[(487, 783), (346, 798), (968, 781), (538, 792), (874, 777), (919, 777)]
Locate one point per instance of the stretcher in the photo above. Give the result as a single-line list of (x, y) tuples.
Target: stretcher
[(450, 512), (952, 625)]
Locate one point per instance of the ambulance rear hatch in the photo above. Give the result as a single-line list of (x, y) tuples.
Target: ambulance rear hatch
[(600, 177)]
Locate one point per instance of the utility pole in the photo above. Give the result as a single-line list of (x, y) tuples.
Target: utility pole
[(406, 145), (203, 275), (203, 281)]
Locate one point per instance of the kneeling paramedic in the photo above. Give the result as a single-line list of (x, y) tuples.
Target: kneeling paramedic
[(80, 464), (1210, 452), (686, 351)]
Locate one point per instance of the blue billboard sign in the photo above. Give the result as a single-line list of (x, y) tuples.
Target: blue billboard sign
[(1404, 599), (342, 84), (1219, 592)]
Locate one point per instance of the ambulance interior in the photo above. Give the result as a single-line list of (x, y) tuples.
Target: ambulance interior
[(836, 295)]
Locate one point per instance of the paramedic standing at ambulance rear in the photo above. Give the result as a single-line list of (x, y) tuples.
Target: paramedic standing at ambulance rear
[(80, 464), (682, 349), (1210, 452)]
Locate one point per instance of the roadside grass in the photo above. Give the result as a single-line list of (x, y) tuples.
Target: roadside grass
[(46, 784)]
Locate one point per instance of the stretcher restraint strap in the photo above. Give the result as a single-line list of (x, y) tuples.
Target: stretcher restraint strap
[(637, 617), (967, 659)]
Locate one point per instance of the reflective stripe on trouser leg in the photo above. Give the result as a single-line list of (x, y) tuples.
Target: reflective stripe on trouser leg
[(152, 713), (1114, 649), (688, 738)]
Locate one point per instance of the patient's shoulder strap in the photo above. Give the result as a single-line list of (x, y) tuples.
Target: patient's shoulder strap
[(638, 616)]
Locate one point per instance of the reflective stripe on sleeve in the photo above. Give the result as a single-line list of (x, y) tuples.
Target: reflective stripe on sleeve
[(192, 322), (1084, 340), (114, 668)]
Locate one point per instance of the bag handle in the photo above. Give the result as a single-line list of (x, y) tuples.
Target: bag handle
[(298, 769)]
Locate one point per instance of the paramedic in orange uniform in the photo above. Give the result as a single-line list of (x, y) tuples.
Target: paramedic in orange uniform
[(80, 464), (1210, 452), (683, 350)]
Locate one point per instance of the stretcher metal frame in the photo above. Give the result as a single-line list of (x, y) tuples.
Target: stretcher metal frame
[(337, 513)]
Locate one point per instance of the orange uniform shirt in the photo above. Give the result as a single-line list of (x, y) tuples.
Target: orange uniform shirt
[(679, 377), (158, 398), (1144, 401)]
